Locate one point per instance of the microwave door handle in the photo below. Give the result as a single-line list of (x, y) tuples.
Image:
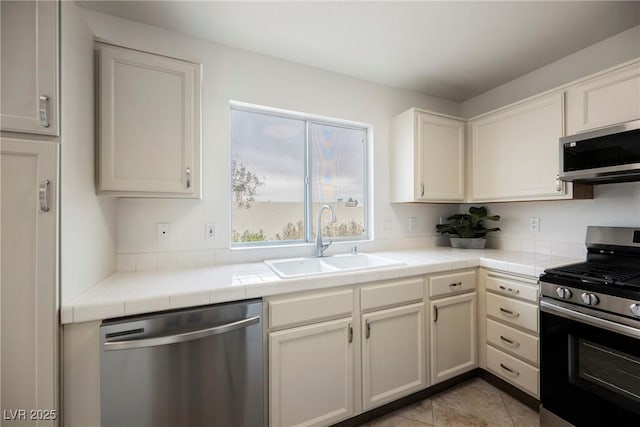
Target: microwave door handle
[(605, 324), (183, 337)]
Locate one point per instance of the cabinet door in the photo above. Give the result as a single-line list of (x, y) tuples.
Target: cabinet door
[(605, 100), (440, 158), (311, 374), (29, 78), (28, 286), (453, 336), (515, 152), (393, 354), (149, 124)]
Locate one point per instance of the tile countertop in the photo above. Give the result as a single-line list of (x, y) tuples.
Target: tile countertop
[(125, 294)]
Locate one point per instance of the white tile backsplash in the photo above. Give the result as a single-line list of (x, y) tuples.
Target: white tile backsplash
[(126, 263), (187, 260), (146, 262), (167, 261)]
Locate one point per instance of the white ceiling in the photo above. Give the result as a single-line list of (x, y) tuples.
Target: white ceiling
[(454, 50)]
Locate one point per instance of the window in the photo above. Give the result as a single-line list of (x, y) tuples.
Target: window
[(284, 167)]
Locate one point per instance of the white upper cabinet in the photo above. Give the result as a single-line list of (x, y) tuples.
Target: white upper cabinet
[(149, 124), (515, 152), (604, 100), (29, 39), (427, 158)]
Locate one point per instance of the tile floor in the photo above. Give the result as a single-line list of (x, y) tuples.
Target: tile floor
[(474, 403)]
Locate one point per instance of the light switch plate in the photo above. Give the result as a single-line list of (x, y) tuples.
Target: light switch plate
[(534, 224)]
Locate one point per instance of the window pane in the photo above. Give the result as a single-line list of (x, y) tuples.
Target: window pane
[(338, 178), (267, 177)]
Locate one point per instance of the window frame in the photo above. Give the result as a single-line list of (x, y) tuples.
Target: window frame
[(308, 219)]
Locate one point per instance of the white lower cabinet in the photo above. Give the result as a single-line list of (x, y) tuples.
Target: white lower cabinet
[(453, 336), (511, 329), (393, 354), (311, 374)]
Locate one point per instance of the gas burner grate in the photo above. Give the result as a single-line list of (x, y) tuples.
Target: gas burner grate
[(603, 272)]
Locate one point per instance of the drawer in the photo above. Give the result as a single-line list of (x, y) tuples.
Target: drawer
[(513, 370), (391, 294), (509, 310), (513, 341), (310, 308), (450, 284), (513, 288)]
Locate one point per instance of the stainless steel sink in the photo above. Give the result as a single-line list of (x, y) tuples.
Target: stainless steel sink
[(299, 267)]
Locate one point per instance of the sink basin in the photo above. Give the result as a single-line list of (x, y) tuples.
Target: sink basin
[(298, 267), (350, 262)]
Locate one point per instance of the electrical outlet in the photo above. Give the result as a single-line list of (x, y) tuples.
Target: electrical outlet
[(534, 224), (209, 232), (413, 223), (163, 231)]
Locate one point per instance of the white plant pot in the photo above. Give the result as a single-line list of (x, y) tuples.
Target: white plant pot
[(468, 243)]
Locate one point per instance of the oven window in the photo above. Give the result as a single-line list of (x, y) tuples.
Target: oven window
[(610, 373)]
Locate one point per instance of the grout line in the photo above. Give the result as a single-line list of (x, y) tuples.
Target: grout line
[(507, 409)]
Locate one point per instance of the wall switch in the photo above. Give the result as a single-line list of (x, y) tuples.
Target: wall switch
[(163, 231), (210, 232), (534, 224), (412, 223)]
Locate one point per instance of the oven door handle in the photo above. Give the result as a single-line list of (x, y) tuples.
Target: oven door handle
[(605, 324)]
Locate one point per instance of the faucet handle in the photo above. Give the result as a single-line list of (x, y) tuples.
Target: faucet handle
[(354, 250)]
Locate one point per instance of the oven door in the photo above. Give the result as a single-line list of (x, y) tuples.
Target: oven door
[(589, 366)]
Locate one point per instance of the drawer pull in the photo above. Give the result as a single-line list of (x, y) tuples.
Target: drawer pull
[(511, 371), (513, 291), (509, 313), (455, 285), (512, 343)]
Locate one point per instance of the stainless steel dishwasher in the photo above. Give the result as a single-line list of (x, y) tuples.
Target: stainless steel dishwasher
[(196, 367)]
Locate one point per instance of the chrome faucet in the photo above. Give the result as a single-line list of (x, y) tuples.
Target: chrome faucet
[(321, 247)]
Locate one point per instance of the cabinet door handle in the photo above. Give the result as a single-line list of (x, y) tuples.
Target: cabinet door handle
[(43, 195), (421, 189), (350, 333), (435, 313), (511, 371), (509, 313), (43, 110), (187, 176), (512, 343), (558, 183), (367, 328)]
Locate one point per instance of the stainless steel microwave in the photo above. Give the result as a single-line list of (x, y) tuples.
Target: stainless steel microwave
[(600, 156)]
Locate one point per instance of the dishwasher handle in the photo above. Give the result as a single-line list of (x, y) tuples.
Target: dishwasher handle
[(178, 338)]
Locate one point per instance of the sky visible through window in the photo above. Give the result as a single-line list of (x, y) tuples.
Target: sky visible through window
[(268, 177)]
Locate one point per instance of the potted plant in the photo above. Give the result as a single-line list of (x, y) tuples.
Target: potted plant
[(467, 230)]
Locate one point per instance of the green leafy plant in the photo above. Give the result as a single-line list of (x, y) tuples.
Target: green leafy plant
[(468, 225)]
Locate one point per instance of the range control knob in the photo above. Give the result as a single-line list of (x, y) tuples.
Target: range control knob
[(590, 299), (563, 293), (635, 309)]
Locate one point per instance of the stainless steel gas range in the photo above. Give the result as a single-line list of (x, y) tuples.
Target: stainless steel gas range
[(590, 334)]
